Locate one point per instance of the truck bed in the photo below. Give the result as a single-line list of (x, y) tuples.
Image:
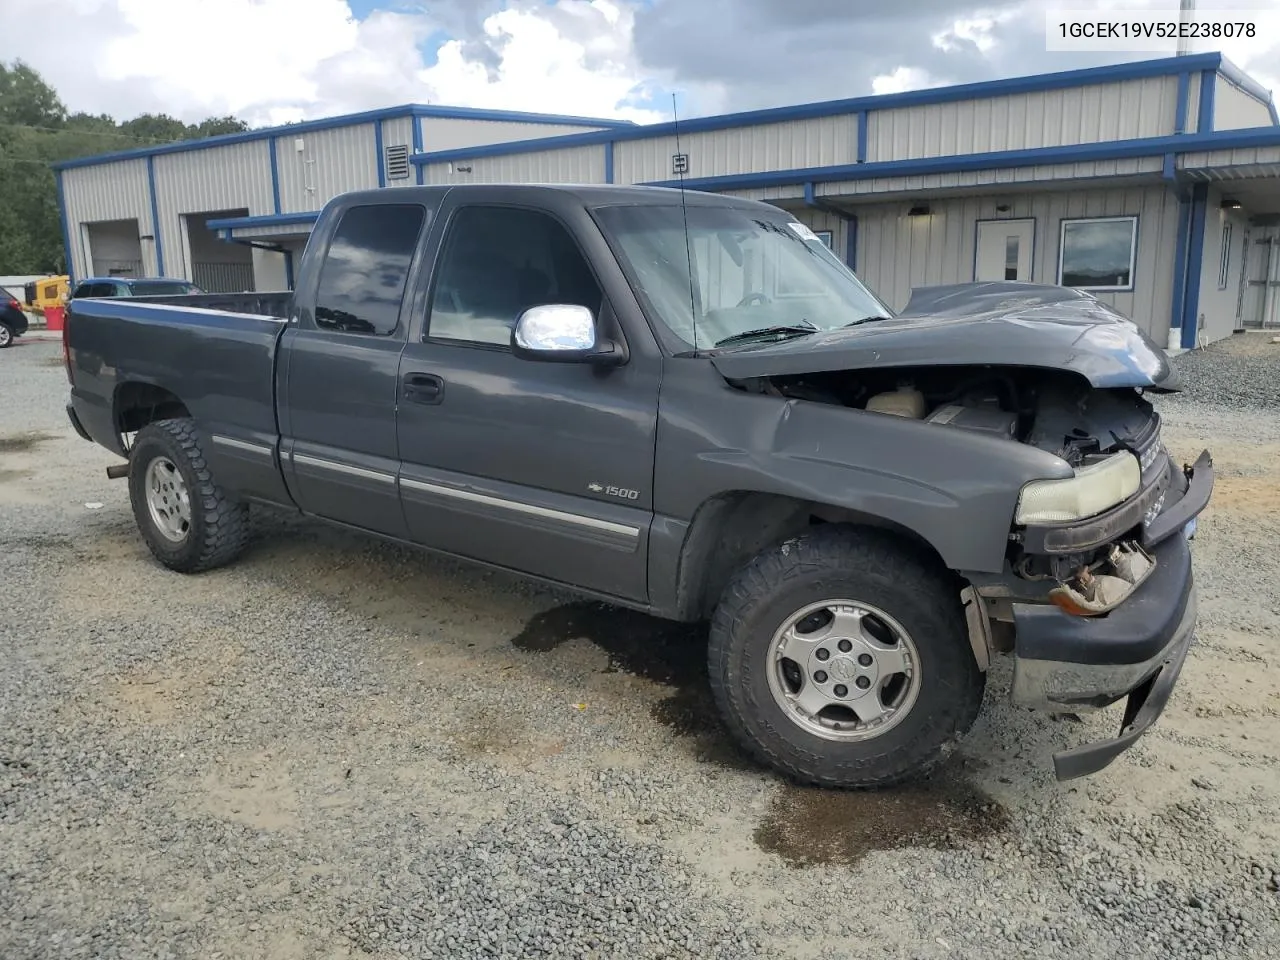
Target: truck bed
[(215, 351)]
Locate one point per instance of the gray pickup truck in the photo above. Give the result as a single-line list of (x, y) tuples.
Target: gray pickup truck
[(686, 404)]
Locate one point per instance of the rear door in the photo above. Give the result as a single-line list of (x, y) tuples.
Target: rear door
[(542, 467), (338, 371)]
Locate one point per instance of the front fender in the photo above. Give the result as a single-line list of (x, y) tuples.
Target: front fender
[(955, 489)]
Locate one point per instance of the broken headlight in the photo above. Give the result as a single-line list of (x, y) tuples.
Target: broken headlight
[(1094, 488)]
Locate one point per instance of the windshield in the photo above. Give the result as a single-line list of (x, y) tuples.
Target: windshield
[(750, 272), (162, 288)]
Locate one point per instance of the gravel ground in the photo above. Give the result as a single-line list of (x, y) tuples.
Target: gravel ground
[(337, 748)]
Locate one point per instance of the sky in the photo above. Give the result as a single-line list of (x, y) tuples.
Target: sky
[(277, 61)]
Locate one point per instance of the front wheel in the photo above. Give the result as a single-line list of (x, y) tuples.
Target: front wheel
[(841, 659), (189, 522)]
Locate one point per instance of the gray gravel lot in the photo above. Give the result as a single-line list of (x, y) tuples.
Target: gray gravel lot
[(339, 748)]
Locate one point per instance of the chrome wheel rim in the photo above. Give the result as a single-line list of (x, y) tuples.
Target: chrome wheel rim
[(843, 670), (167, 499), (5, 335)]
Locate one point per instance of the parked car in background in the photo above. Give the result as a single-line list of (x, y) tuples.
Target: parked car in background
[(13, 322), (133, 287)]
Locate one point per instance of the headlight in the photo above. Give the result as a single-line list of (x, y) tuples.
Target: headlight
[(1092, 490)]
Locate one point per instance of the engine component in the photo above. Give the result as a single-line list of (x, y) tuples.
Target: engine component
[(903, 402), (983, 419)]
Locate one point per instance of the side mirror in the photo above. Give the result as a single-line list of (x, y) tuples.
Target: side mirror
[(563, 332)]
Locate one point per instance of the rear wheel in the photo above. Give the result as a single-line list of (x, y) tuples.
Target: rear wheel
[(6, 336), (841, 659), (188, 521)]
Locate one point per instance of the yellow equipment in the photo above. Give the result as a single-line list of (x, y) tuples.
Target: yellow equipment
[(46, 292)]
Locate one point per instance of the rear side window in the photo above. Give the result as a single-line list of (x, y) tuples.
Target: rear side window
[(363, 276)]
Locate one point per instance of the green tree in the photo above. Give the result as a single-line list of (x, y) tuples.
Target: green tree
[(36, 130)]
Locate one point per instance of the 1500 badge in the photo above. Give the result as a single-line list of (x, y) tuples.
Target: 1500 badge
[(622, 493)]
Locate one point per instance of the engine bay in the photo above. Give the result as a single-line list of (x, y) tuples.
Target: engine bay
[(1056, 412)]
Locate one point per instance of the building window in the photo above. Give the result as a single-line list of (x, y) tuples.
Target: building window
[(1224, 257), (1098, 253), (825, 236), (363, 276), (499, 262)]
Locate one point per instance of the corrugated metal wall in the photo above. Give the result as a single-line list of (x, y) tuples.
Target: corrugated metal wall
[(821, 142), (897, 252), (1219, 306), (1112, 111), (330, 162), (110, 191), (399, 132), (448, 134), (571, 165), (1242, 156), (980, 178), (237, 176), (1233, 109)]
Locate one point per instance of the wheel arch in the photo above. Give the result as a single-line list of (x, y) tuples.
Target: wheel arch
[(136, 403), (731, 527)]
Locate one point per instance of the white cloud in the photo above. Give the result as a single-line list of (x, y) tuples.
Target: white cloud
[(903, 78), (271, 61)]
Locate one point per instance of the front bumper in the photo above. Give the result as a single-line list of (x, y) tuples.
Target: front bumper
[(1064, 662)]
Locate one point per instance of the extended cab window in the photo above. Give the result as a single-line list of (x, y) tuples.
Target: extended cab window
[(499, 262), (363, 276)]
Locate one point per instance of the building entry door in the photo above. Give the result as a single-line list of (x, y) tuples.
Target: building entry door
[(1004, 249)]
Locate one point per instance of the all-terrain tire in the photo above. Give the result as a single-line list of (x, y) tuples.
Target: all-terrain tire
[(861, 565), (219, 525)]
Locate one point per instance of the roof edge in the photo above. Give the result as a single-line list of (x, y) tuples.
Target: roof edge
[(417, 110)]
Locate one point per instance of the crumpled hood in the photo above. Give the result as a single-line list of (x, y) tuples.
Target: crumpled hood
[(999, 323)]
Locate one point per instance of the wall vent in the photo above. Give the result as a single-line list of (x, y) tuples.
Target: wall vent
[(398, 162)]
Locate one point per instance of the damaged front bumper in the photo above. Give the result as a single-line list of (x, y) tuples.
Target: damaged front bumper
[(1064, 661)]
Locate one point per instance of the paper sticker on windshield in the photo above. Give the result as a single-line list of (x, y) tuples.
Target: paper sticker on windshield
[(803, 232)]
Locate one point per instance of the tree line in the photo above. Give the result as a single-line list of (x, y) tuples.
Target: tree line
[(36, 129)]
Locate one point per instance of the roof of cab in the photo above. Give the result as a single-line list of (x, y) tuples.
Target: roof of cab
[(589, 194)]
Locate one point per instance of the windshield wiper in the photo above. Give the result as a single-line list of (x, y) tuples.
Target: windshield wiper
[(777, 330), (854, 323)]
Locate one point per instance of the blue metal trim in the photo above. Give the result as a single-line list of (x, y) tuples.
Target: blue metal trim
[(608, 162), (273, 220), (155, 215), (275, 176), (1116, 150), (1208, 85), (66, 230), (377, 152), (1184, 95), (346, 120), (1180, 263), (827, 108), (1242, 80), (809, 197), (288, 269), (1170, 169), (1195, 266), (862, 136), (851, 242), (417, 146)]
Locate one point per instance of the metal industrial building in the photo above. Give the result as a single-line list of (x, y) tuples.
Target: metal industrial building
[(1155, 184)]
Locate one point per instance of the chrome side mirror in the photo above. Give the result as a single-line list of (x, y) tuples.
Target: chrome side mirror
[(562, 332)]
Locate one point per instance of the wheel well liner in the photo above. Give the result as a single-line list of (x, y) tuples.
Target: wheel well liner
[(730, 528), (137, 404)]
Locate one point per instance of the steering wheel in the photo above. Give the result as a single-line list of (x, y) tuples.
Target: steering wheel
[(751, 298)]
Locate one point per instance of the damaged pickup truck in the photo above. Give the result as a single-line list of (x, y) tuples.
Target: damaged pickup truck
[(686, 404)]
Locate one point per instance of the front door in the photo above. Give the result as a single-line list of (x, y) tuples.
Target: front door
[(340, 371), (541, 467), (1004, 249)]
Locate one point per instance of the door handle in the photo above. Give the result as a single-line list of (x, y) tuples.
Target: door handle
[(423, 388)]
